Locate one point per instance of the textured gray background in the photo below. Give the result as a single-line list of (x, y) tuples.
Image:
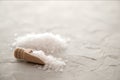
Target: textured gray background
[(92, 26)]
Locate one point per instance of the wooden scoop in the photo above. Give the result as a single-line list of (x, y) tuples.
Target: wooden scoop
[(26, 54)]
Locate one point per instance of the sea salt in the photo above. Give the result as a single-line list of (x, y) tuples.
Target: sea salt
[(47, 42), (51, 62), (45, 46)]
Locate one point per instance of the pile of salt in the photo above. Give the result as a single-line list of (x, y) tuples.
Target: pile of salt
[(45, 46)]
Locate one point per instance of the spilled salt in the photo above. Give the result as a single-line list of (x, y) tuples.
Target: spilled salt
[(51, 62), (45, 46)]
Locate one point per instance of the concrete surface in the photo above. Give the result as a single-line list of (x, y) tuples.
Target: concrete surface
[(94, 29)]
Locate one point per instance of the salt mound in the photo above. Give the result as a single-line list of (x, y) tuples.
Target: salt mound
[(47, 42), (44, 46)]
